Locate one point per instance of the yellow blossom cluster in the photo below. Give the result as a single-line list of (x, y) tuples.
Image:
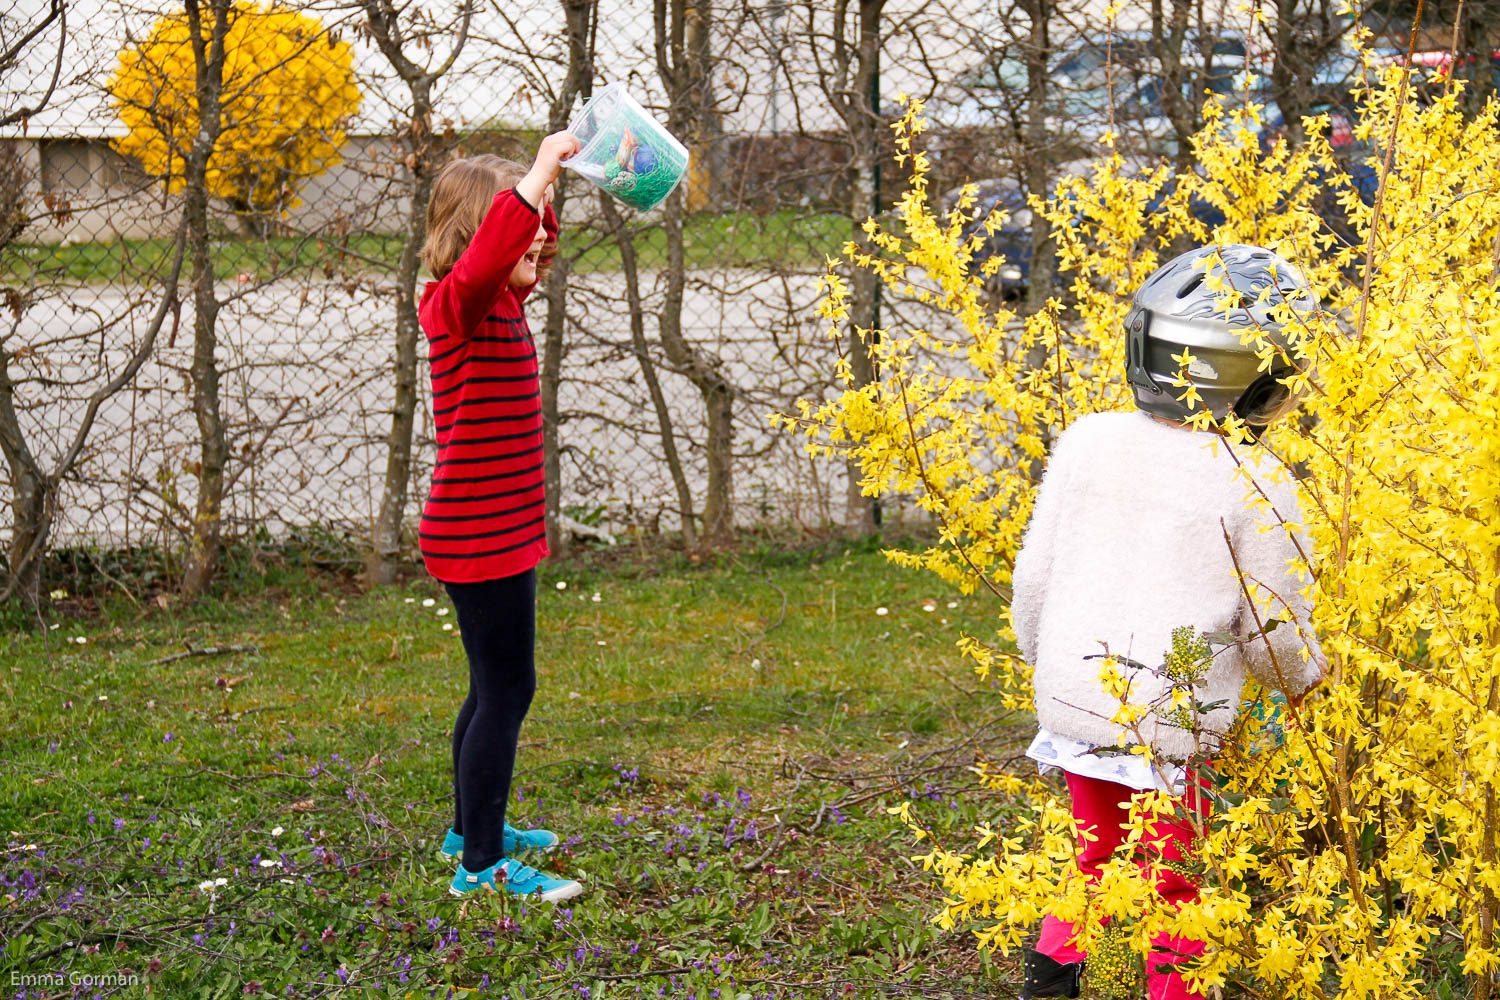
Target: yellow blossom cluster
[(287, 96), (1355, 854)]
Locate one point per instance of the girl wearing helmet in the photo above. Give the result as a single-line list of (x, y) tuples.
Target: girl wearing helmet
[(1142, 527)]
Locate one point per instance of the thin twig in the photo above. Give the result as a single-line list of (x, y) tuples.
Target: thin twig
[(204, 651)]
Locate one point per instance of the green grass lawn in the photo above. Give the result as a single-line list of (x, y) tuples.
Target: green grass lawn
[(717, 745), (734, 239)]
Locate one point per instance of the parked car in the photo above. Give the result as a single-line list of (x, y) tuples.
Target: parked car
[(1011, 240), (1440, 63), (993, 91), (1138, 116)]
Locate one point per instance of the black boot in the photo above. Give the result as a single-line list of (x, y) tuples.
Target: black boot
[(1047, 977)]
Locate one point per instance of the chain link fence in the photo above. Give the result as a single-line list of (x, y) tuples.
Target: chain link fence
[(209, 256)]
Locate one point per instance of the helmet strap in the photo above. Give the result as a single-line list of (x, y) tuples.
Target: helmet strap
[(1137, 338)]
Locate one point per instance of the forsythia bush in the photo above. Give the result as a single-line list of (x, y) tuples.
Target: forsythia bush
[(288, 94), (1356, 855)]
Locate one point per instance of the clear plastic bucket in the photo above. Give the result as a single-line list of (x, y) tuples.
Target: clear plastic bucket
[(625, 151)]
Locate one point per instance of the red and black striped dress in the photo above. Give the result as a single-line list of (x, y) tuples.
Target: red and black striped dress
[(485, 516)]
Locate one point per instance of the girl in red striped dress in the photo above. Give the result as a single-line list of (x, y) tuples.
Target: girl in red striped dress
[(491, 234)]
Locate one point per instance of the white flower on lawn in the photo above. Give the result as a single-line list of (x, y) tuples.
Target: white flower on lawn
[(80, 639), (428, 602), (562, 584), (447, 626), (277, 831), (601, 642), (952, 604), (442, 611), (596, 598), (269, 863), (58, 594), (882, 611), (104, 697), (411, 600)]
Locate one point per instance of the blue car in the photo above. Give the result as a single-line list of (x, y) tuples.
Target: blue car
[(1012, 240)]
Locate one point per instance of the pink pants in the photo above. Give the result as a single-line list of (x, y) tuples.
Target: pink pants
[(1104, 808)]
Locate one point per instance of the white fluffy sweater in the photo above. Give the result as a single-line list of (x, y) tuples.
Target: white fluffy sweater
[(1126, 543)]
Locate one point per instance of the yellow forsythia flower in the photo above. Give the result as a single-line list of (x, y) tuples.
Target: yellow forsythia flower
[(288, 95), (1352, 835)]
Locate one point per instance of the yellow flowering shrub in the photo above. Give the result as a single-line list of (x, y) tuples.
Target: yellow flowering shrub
[(288, 94), (1352, 848)]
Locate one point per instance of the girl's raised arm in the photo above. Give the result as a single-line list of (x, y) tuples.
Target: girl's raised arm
[(464, 295)]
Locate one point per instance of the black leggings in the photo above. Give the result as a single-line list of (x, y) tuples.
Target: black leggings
[(497, 621)]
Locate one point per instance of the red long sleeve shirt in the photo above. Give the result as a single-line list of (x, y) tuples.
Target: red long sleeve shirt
[(485, 516)]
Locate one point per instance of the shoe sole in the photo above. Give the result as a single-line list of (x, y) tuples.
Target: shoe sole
[(563, 892)]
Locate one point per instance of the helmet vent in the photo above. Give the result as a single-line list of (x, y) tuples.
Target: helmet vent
[(1191, 286)]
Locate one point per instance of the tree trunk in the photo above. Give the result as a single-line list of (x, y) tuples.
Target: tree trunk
[(1037, 168), (580, 16), (718, 501), (1288, 75), (213, 447), (684, 54), (551, 378), (383, 559), (1480, 38), (698, 48), (28, 504), (1169, 36), (630, 268), (705, 374), (206, 534), (862, 119), (1038, 178)]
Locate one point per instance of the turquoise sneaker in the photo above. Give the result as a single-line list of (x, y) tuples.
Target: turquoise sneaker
[(528, 840), (515, 842), (453, 846), (513, 877)]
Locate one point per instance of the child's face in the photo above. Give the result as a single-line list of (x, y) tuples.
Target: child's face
[(525, 270)]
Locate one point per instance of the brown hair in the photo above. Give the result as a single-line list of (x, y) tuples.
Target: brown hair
[(461, 196)]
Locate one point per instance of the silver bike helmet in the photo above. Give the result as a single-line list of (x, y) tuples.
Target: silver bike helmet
[(1173, 311)]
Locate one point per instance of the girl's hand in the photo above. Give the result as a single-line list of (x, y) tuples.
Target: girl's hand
[(548, 164), (554, 149)]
